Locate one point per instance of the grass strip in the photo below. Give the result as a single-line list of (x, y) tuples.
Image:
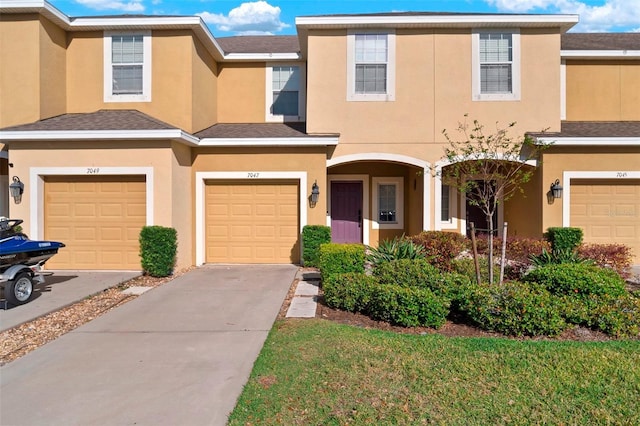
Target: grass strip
[(320, 372)]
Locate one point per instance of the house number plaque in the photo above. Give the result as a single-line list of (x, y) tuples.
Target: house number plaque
[(253, 175)]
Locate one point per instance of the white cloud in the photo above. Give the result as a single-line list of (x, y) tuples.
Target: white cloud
[(257, 17), (605, 16), (123, 6)]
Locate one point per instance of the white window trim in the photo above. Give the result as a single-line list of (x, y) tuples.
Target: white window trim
[(399, 183), (36, 192), (452, 223), (568, 176), (366, 213), (475, 64), (302, 95), (254, 175), (391, 67), (146, 68)]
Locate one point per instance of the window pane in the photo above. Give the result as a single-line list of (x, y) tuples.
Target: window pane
[(285, 103), (495, 79), (127, 79), (286, 87), (127, 49), (387, 203), (371, 78), (371, 48), (496, 47), (444, 204)]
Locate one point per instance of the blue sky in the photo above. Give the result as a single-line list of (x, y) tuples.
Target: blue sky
[(237, 17)]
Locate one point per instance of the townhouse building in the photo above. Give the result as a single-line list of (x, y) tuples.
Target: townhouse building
[(116, 122)]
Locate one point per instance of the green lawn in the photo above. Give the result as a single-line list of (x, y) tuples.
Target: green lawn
[(314, 372)]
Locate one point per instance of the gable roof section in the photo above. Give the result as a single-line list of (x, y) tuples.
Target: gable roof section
[(263, 134), (592, 133), (600, 45), (259, 44), (102, 125), (135, 125)]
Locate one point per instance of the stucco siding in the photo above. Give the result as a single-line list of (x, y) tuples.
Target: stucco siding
[(241, 93), (204, 88), (53, 48), (20, 60), (603, 90)]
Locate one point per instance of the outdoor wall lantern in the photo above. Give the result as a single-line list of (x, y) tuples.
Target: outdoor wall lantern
[(16, 188), (315, 194), (556, 189)]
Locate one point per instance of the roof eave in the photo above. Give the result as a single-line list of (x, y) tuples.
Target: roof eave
[(588, 141), (565, 22), (600, 54), (81, 135), (268, 142)]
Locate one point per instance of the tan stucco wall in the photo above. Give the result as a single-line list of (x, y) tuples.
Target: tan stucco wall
[(433, 92), (204, 88), (175, 65), (556, 160), (170, 174), (24, 47), (603, 90), (241, 93), (523, 212), (53, 88)]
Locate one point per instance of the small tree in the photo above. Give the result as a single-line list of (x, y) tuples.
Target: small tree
[(488, 168)]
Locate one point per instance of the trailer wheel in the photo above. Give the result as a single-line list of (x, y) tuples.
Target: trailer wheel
[(18, 291)]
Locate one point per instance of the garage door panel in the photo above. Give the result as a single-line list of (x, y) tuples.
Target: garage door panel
[(607, 211), (252, 222), (99, 218)]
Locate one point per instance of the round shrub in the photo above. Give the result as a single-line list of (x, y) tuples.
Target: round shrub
[(158, 248), (407, 307), (515, 308), (620, 317), (577, 280), (348, 292)]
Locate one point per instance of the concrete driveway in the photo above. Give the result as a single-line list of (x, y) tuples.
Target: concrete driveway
[(179, 354), (60, 289)]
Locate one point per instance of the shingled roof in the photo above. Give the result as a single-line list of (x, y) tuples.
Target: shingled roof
[(99, 120), (600, 41), (594, 129), (259, 44), (254, 130)]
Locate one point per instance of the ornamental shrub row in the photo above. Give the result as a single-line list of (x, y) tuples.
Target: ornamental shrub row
[(313, 236), (399, 305), (336, 259)]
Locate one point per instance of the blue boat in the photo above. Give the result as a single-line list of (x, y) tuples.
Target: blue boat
[(21, 261)]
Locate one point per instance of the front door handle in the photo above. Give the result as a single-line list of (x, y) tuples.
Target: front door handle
[(359, 218)]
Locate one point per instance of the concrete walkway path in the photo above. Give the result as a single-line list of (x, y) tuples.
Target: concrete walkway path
[(177, 355)]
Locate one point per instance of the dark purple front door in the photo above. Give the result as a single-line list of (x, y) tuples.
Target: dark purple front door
[(346, 212)]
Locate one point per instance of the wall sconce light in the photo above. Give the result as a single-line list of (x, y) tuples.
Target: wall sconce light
[(16, 188), (315, 194), (556, 189)]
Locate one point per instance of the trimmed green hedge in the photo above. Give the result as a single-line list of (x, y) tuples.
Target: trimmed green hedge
[(312, 237), (564, 239), (404, 306), (158, 248), (515, 308), (577, 279), (340, 258)]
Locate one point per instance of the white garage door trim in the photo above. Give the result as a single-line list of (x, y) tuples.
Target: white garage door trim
[(36, 191), (249, 175), (566, 184)]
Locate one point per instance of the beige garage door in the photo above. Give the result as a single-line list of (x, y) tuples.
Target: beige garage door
[(608, 211), (252, 222), (98, 218)]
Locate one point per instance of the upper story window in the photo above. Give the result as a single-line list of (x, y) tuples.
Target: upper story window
[(285, 92), (496, 65), (371, 66), (127, 59)]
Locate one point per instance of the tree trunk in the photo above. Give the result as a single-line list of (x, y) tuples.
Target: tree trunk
[(490, 222)]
